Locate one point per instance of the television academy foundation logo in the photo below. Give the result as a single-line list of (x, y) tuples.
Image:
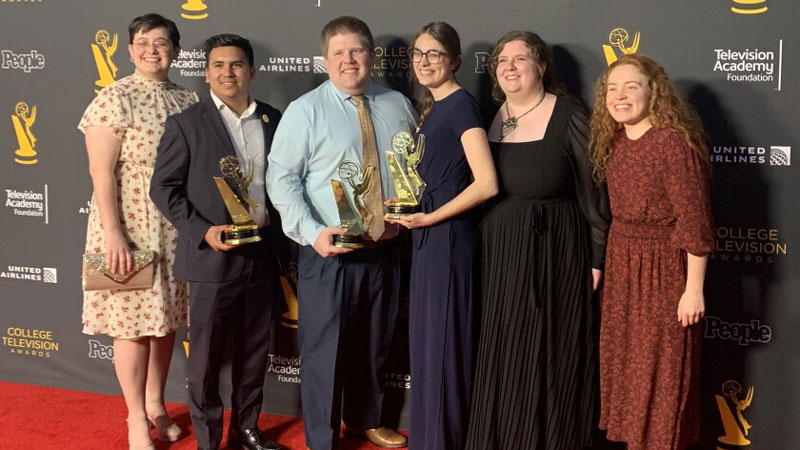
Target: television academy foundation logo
[(25, 62), (23, 119), (775, 155), (748, 245), (751, 65), (194, 10), (28, 203), (103, 49), (749, 7), (191, 63), (30, 342), (618, 38), (287, 368), (731, 407), (25, 273), (744, 334)]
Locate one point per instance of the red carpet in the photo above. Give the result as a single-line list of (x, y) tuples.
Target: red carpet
[(35, 417)]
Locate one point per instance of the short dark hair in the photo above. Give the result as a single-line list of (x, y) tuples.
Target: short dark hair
[(346, 24), (229, 40), (152, 21)]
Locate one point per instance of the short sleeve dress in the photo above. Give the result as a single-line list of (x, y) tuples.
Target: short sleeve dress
[(649, 363), (135, 109), (444, 275)]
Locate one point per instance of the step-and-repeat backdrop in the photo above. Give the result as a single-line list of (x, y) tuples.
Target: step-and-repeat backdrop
[(736, 59)]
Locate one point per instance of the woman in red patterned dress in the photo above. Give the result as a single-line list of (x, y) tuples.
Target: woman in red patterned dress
[(648, 144)]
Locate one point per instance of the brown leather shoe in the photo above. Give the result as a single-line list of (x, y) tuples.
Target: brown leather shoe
[(381, 436)]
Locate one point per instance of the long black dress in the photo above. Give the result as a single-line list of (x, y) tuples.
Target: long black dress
[(536, 374), (444, 274)]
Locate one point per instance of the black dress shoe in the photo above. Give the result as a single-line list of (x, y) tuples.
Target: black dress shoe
[(250, 439)]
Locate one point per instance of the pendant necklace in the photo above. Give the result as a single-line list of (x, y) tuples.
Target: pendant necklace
[(510, 124)]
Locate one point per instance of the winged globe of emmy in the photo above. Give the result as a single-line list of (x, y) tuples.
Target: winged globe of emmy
[(353, 215), (241, 207), (408, 185)]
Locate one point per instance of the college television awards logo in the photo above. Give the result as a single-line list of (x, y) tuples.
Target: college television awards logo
[(103, 49), (748, 245), (23, 119), (21, 61), (775, 155), (731, 408), (30, 342), (28, 203), (749, 6), (618, 38), (391, 62), (194, 10)]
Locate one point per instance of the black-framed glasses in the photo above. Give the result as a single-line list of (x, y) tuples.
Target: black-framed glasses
[(433, 56)]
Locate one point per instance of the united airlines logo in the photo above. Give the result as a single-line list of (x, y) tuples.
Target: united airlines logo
[(749, 6), (103, 49), (618, 38)]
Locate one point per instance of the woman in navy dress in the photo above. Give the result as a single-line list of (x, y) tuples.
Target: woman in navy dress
[(459, 171)]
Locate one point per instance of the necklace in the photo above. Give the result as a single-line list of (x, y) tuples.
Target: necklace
[(510, 124)]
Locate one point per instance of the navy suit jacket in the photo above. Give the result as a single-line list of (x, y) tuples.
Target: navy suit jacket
[(184, 190)]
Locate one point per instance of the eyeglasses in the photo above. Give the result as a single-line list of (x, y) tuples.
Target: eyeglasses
[(433, 56), (158, 44)]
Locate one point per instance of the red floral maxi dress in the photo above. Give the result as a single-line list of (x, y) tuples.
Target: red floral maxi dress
[(649, 363), (135, 108)]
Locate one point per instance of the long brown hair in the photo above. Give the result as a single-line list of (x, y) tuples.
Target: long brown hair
[(668, 108), (448, 37)]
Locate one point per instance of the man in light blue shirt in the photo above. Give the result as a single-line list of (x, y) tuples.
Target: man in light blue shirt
[(348, 300)]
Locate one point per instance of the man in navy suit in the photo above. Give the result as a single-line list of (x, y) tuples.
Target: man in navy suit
[(232, 288)]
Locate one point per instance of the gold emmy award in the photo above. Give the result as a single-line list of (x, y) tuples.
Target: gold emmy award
[(245, 229), (106, 69), (26, 154), (408, 185), (289, 294), (617, 38), (355, 220), (736, 428), (194, 10)]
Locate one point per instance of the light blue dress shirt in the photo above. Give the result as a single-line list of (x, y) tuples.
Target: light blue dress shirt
[(318, 131)]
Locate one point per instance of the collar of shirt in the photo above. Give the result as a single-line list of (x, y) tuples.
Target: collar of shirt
[(223, 108), (369, 93)]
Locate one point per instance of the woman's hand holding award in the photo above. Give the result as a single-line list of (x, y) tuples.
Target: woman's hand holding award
[(408, 185)]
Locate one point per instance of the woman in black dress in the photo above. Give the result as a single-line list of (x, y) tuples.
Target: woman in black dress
[(543, 248), (457, 166)]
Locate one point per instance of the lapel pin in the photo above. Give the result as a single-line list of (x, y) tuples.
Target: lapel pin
[(265, 118)]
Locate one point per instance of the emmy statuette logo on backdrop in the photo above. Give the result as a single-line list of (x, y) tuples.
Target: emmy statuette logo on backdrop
[(102, 50), (194, 10), (749, 6), (736, 426), (26, 153), (618, 38), (289, 318)]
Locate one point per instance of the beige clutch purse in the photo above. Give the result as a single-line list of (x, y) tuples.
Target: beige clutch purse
[(97, 277)]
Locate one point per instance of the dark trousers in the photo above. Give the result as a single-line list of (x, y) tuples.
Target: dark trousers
[(347, 312), (238, 310)]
